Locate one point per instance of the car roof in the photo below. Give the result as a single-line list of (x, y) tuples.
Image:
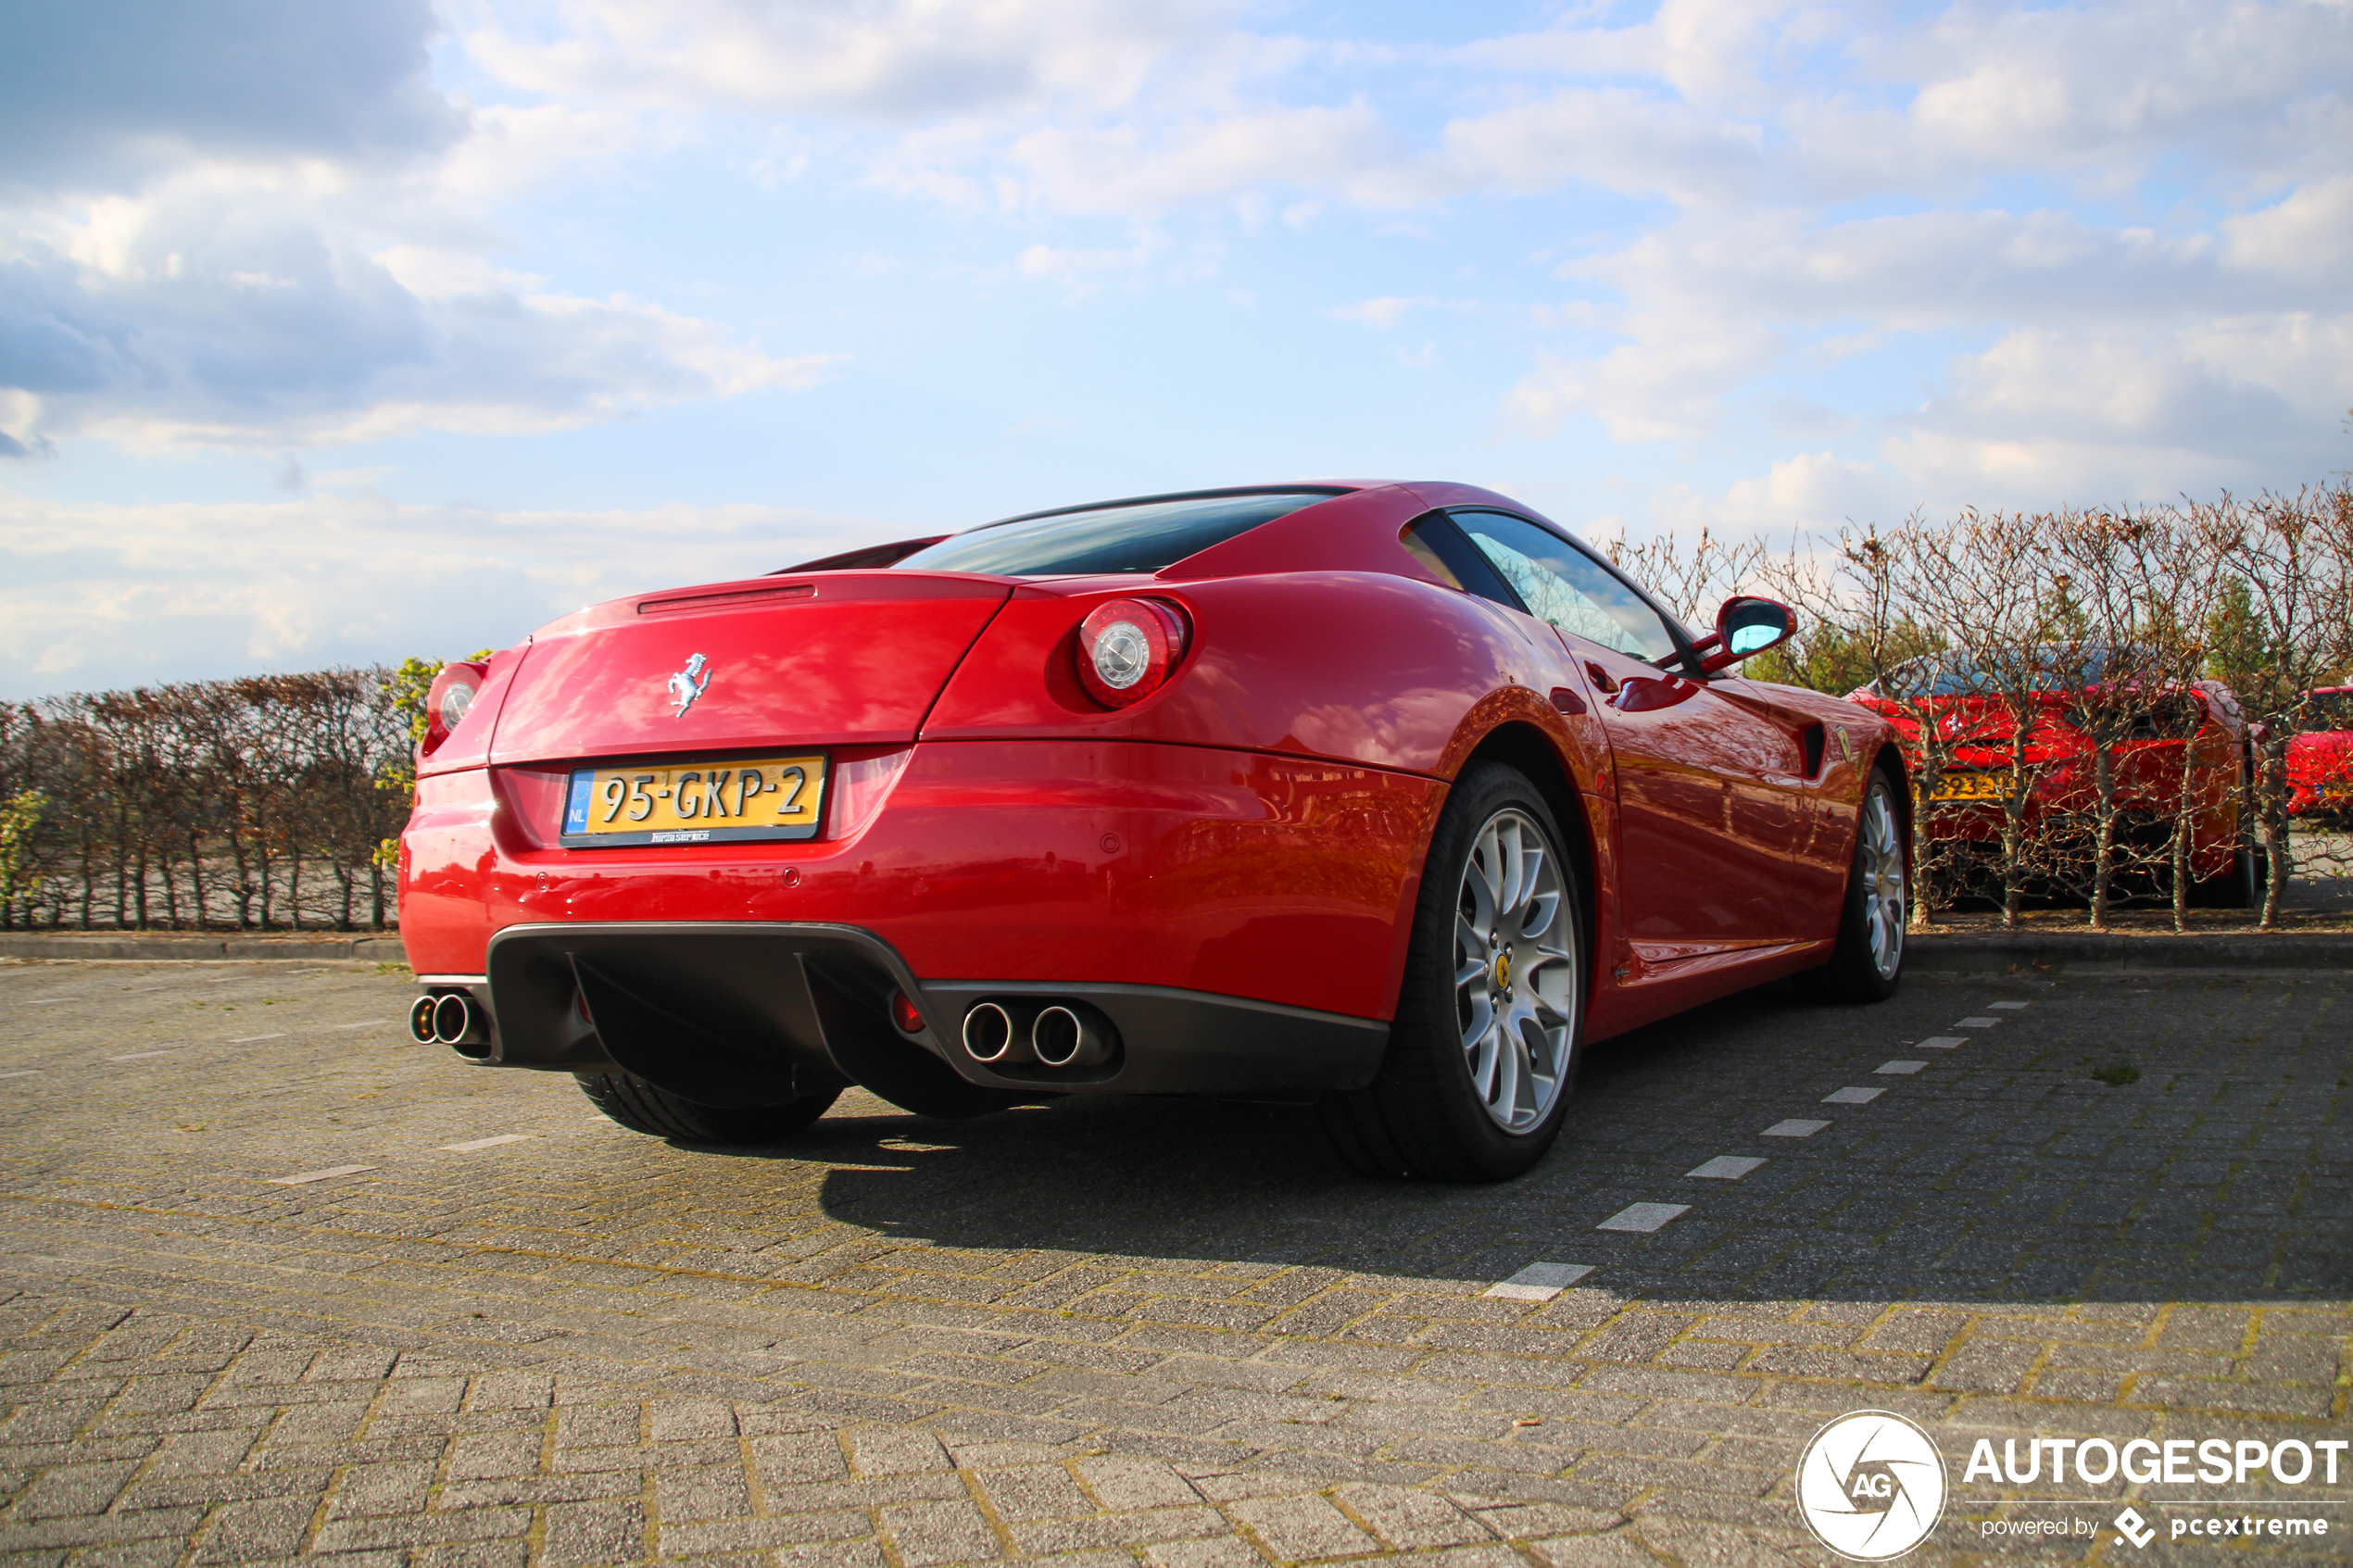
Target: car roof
[(1303, 487)]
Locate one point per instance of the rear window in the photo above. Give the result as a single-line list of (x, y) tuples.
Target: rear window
[(1130, 537)]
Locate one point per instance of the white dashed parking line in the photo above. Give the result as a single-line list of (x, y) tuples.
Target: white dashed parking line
[(1643, 1217), (47, 1001), (248, 1039), (1977, 1024), (22, 1073), (1901, 1068), (1726, 1168), (138, 1056), (1795, 1127), (1942, 1042), (1538, 1282), (2010, 1007), (1852, 1097), (307, 1177), (489, 1143), (363, 1023)]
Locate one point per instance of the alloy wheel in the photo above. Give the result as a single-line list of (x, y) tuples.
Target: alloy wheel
[(1515, 970), (1886, 895)]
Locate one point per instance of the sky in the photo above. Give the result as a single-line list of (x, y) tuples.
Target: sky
[(338, 333)]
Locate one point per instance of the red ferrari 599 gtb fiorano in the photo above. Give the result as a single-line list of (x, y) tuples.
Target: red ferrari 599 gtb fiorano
[(1382, 797)]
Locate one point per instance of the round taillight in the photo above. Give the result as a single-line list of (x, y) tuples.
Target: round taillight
[(1127, 648), (447, 704)]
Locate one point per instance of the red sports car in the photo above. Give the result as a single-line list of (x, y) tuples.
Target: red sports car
[(1384, 797), (2157, 735), (2320, 758)]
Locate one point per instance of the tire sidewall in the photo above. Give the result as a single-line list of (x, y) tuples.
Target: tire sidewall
[(1427, 1002)]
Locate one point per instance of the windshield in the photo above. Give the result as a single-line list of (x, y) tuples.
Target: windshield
[(1133, 537), (2329, 711), (2050, 668)]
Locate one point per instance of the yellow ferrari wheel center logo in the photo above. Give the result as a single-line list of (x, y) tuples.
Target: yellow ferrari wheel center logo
[(1503, 971)]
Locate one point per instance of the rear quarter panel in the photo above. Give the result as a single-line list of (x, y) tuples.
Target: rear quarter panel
[(1360, 667)]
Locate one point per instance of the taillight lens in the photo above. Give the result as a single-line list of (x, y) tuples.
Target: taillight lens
[(445, 705), (1127, 648)]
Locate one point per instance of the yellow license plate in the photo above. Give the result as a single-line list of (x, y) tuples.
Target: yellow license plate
[(732, 801), (1970, 786)]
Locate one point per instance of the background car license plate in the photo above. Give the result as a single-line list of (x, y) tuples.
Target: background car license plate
[(1970, 786), (753, 798)]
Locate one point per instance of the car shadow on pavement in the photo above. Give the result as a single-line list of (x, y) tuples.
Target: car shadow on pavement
[(2002, 1172)]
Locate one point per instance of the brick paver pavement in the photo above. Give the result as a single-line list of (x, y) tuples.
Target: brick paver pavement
[(1170, 1333)]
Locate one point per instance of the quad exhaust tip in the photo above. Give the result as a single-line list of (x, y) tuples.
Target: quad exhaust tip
[(1065, 1036), (1056, 1035), (450, 1018), (992, 1035)]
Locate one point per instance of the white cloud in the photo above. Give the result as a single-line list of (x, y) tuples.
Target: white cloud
[(95, 596), (1663, 385), (99, 93), (242, 308), (1380, 314), (289, 246), (1635, 143), (882, 60)]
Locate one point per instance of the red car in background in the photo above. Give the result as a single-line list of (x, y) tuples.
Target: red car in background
[(2320, 758), (2161, 736), (1385, 797)]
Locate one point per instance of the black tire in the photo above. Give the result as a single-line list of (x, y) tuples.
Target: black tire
[(642, 1108), (2233, 888), (1423, 1115), (1857, 972)]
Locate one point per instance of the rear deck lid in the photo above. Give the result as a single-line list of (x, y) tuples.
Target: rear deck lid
[(835, 658)]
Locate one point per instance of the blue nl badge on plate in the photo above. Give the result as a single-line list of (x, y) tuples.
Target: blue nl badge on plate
[(576, 809)]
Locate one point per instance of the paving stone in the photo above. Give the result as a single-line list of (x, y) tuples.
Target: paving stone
[(1085, 1330)]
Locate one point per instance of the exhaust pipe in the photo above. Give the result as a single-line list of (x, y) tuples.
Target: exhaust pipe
[(452, 1020), (1071, 1035), (993, 1037)]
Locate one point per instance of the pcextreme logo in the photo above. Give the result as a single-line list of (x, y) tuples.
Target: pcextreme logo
[(1870, 1485)]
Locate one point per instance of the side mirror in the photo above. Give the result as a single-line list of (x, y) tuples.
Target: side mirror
[(1744, 627)]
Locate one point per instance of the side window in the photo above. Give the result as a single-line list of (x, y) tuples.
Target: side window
[(1454, 560), (1559, 583)]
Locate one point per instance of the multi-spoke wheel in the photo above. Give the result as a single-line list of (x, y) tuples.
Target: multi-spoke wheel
[(1484, 1047), (1515, 975), (1869, 960)]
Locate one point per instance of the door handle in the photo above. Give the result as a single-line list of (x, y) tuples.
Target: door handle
[(1602, 680)]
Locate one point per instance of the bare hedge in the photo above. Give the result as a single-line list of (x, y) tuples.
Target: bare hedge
[(248, 804)]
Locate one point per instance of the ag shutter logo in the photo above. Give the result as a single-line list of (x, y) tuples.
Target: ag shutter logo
[(1870, 1485)]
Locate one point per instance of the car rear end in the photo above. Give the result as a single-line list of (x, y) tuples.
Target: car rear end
[(747, 839)]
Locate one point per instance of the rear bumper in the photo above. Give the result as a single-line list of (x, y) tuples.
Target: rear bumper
[(1288, 881), (760, 1012)]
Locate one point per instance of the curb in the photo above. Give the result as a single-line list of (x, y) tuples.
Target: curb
[(2329, 949), (38, 945)]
